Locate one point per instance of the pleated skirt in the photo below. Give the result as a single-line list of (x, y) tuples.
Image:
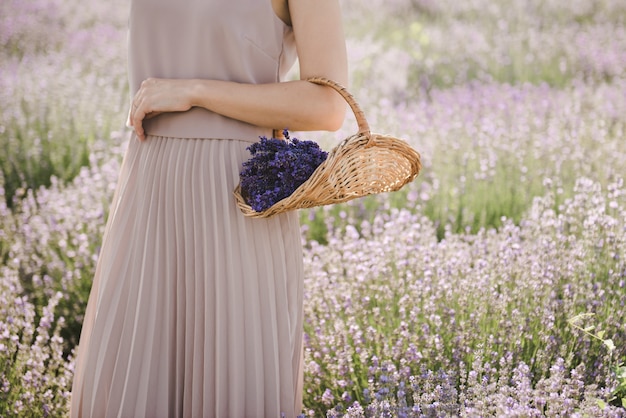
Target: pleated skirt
[(195, 310)]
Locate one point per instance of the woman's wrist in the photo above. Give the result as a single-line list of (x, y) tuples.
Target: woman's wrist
[(198, 93)]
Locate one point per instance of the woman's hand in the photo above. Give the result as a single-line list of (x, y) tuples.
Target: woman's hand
[(156, 96)]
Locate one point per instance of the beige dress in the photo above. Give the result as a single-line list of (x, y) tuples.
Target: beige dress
[(195, 311)]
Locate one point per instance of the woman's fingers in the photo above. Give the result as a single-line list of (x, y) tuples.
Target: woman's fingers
[(137, 115), (156, 96), (138, 109)]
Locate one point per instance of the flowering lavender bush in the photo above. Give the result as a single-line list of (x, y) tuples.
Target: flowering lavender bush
[(62, 87), (48, 250), (472, 325), (34, 377), (29, 26), (441, 43), (277, 168)]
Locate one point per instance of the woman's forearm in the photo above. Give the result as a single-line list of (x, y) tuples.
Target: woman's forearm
[(295, 105)]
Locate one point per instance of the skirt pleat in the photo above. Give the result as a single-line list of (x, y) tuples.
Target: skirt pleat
[(195, 310)]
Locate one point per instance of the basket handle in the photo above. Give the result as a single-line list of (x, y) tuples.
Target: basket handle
[(364, 127)]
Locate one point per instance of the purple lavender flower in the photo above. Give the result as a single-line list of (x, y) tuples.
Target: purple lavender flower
[(327, 397), (277, 168)]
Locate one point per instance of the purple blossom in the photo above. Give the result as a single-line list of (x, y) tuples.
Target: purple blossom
[(328, 397), (277, 168)]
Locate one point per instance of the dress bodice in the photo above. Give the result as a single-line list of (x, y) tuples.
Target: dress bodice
[(235, 40)]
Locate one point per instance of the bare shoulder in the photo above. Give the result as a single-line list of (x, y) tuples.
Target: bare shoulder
[(281, 8)]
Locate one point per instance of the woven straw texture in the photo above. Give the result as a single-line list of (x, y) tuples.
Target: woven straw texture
[(362, 164)]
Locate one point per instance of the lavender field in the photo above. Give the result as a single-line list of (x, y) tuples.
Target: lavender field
[(493, 285)]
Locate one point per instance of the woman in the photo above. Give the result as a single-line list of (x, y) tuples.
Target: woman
[(195, 310)]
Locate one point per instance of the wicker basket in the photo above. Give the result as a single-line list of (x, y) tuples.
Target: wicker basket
[(363, 164)]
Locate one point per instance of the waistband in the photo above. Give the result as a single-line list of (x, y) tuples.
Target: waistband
[(201, 123)]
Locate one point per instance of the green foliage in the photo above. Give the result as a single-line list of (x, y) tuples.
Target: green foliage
[(618, 395), (33, 154)]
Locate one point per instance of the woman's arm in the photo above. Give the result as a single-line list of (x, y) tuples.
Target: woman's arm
[(297, 105)]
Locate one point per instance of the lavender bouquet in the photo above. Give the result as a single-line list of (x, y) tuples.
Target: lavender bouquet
[(277, 168)]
